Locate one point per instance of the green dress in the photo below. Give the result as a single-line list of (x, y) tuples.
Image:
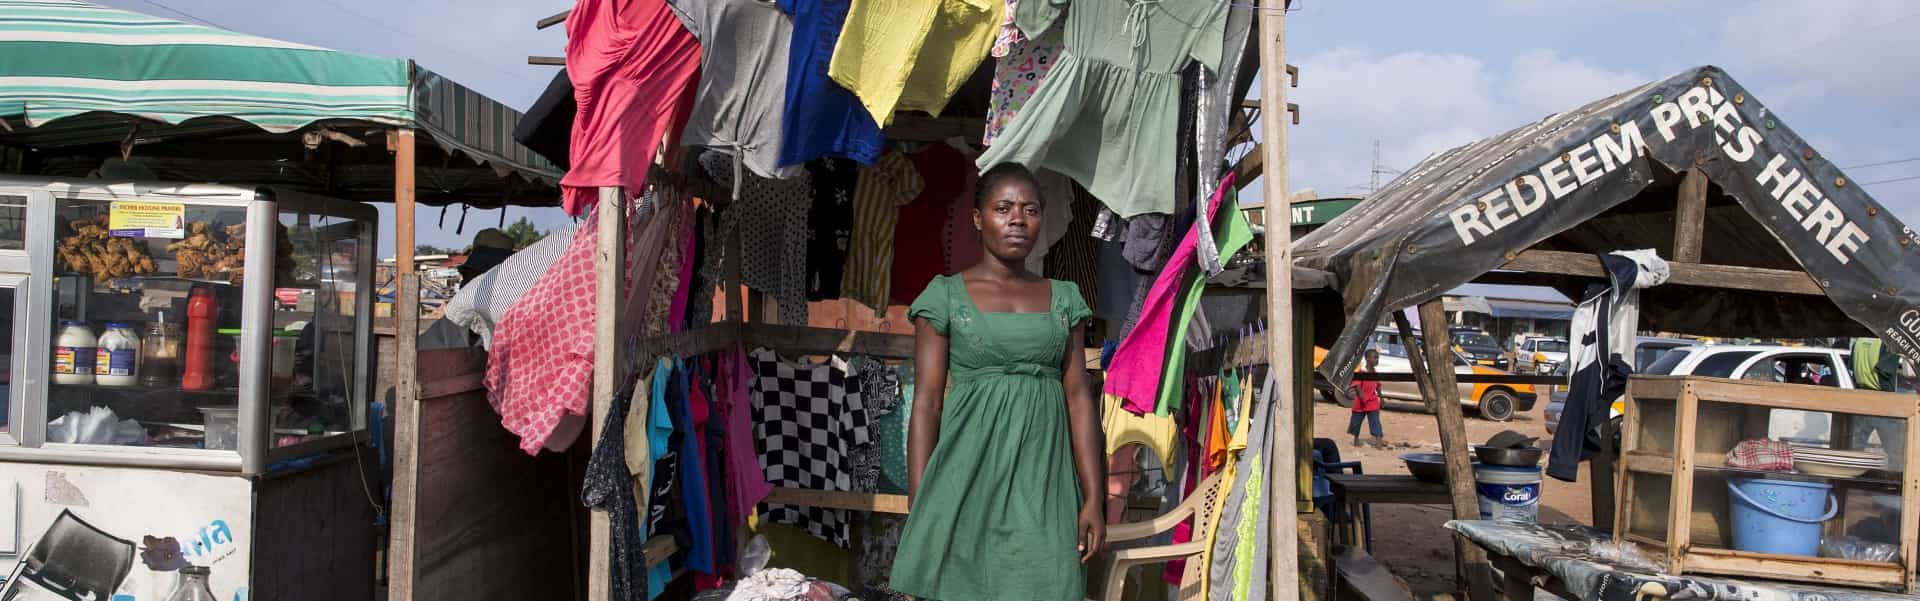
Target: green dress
[(998, 506)]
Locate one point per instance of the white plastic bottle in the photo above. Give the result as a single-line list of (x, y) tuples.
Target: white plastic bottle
[(73, 354), (117, 363)]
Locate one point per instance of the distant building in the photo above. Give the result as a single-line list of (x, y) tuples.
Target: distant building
[(1510, 312)]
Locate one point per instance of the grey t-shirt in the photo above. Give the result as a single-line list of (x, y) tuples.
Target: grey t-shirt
[(743, 80)]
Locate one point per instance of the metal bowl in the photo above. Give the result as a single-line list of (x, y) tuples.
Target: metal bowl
[(1430, 467), (1518, 457)]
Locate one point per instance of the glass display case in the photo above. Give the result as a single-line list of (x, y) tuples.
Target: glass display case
[(202, 326), (1713, 481)]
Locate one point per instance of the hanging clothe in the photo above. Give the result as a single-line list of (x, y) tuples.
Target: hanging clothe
[(542, 357), (1154, 431), (699, 556), (879, 193), (663, 513), (481, 304), (823, 119), (632, 66), (829, 226), (1106, 114), (1231, 234), (746, 483), (1214, 108), (918, 255), (1073, 258), (609, 487), (743, 80), (770, 216), (1238, 550), (963, 247), (1056, 200), (1016, 75), (1598, 354), (809, 422), (912, 56), (1143, 360)]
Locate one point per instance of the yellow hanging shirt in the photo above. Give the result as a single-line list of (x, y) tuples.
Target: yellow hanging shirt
[(912, 54)]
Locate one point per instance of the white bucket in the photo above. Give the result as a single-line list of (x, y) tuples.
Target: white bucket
[(1508, 493)]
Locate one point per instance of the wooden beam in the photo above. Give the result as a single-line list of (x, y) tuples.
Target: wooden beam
[(1283, 508), (1250, 167), (553, 61), (1442, 395), (609, 214), (401, 545), (1690, 217), (921, 128), (833, 499), (552, 20), (1682, 274)]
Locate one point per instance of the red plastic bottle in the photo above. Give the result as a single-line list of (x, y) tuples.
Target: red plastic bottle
[(201, 311)]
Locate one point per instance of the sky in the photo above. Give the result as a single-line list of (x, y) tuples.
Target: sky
[(1415, 77)]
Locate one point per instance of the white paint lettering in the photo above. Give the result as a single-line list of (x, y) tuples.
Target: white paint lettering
[(1616, 154), (1695, 104), (1559, 180), (1781, 179), (1466, 221), (1665, 116), (1498, 212), (1802, 197), (1522, 204), (1583, 163), (1846, 243), (1823, 220), (1726, 117), (1749, 141)]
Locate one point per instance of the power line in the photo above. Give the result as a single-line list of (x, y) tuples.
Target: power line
[(186, 14), (1889, 181), (1883, 163)]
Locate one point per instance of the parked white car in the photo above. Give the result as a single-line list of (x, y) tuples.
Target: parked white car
[(1794, 365), (1539, 355)]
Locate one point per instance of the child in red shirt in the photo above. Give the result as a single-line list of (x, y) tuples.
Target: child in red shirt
[(1366, 402)]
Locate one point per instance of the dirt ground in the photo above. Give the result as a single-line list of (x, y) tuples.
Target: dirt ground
[(1409, 539)]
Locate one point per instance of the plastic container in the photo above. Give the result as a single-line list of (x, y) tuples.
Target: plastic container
[(223, 427), (1508, 493), (74, 353), (1779, 516), (117, 358), (160, 352), (202, 309)]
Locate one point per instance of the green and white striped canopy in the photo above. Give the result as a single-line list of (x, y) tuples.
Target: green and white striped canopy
[(63, 58)]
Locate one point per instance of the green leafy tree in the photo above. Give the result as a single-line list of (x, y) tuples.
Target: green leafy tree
[(524, 233), (429, 249)]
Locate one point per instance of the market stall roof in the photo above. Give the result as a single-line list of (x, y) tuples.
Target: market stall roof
[(1791, 246), (80, 75)]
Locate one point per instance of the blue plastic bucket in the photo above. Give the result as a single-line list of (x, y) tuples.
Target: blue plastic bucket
[(1508, 493), (1779, 516)]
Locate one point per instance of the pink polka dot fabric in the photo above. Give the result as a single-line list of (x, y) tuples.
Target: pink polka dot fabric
[(541, 364)]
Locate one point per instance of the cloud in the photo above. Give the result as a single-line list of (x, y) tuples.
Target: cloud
[(1417, 103), (1838, 50)]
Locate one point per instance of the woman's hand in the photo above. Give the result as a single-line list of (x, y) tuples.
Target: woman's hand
[(1093, 529)]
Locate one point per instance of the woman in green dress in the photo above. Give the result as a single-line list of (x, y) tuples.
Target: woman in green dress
[(1004, 468)]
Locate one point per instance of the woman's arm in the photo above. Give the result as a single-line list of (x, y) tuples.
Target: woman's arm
[(929, 392), (1088, 443)]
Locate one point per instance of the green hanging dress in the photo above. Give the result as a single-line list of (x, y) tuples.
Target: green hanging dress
[(998, 507)]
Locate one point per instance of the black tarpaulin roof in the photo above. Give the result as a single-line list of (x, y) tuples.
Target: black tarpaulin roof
[(1604, 177)]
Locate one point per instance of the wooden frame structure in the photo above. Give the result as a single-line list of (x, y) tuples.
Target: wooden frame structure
[(1679, 428)]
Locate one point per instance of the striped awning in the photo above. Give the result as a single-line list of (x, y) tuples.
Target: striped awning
[(65, 58)]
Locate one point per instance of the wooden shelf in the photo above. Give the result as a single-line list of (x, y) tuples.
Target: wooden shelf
[(831, 499)]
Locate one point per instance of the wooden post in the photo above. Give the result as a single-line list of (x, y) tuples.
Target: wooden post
[(1690, 217), (406, 376), (1283, 507), (609, 214), (1432, 366)]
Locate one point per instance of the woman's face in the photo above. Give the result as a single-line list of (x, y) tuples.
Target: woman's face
[(1009, 218)]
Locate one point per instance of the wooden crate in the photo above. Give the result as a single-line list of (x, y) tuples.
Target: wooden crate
[(1674, 443)]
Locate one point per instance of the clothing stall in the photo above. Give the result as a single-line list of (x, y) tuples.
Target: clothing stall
[(189, 257), (701, 173)]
